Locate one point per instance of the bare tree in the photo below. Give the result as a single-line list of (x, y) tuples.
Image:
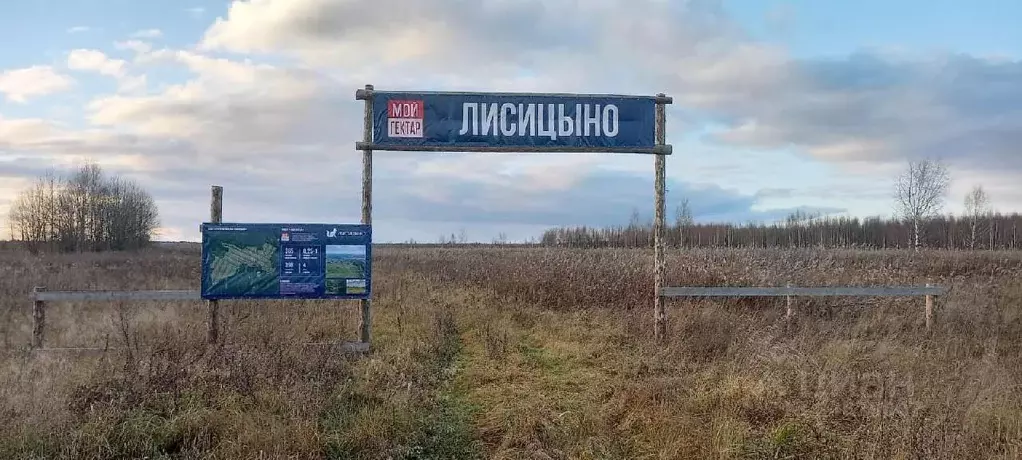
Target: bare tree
[(977, 206), (920, 192), (682, 220), (86, 211)]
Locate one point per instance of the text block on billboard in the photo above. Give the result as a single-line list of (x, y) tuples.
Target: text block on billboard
[(272, 261), (509, 121)]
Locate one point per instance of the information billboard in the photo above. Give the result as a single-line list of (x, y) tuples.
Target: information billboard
[(280, 261)]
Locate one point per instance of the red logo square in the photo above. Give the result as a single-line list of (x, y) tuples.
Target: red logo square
[(405, 109)]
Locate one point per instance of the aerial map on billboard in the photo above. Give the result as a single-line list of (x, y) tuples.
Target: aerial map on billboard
[(277, 261)]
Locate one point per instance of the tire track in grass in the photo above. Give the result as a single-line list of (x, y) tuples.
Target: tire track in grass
[(536, 389), (403, 403), (448, 429)]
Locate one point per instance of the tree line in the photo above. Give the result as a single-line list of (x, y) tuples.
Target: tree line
[(86, 210), (995, 231), (920, 193)]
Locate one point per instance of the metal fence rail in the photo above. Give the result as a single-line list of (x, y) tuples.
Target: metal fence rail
[(928, 291), (58, 296), (40, 296)]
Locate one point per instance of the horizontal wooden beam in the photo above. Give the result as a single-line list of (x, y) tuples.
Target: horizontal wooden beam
[(366, 93), (653, 150), (878, 291)]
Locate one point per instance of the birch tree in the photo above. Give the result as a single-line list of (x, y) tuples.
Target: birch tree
[(977, 206), (920, 192), (682, 220)]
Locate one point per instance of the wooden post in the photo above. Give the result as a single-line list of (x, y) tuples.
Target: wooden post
[(364, 326), (216, 207), (790, 311), (38, 317), (929, 309), (659, 315)]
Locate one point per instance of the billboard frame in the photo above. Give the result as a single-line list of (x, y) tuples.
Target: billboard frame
[(659, 150)]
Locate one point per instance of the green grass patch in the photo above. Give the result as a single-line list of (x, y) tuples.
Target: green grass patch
[(540, 358)]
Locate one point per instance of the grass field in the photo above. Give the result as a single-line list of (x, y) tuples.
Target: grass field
[(524, 353), (340, 268)]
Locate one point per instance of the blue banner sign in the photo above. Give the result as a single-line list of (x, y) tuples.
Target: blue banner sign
[(286, 261), (512, 121)]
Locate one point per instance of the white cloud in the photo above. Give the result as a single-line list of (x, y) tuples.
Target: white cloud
[(231, 101), (138, 46), (876, 106), (20, 85), (882, 109), (644, 46), (147, 33), (133, 84), (762, 96), (97, 61), (215, 70), (40, 138), (15, 133), (488, 38)]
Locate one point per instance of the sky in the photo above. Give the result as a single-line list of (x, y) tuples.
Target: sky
[(346, 249), (778, 105)]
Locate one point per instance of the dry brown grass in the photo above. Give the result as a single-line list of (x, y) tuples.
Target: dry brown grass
[(166, 394), (526, 353)]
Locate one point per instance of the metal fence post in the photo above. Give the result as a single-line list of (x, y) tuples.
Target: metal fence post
[(216, 208), (790, 310), (365, 320), (929, 309), (659, 315), (38, 317)]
